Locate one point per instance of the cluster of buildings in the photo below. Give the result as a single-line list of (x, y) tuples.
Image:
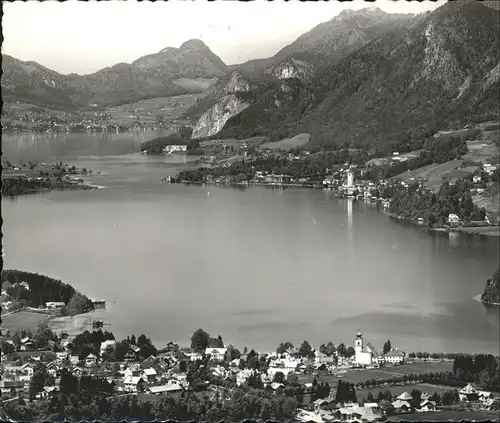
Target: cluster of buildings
[(327, 410), (166, 374)]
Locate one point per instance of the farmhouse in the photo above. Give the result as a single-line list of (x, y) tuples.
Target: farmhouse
[(54, 305)]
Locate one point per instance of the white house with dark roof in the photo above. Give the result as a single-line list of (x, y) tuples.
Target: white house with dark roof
[(469, 393), (394, 357), (133, 384), (149, 374), (216, 354)]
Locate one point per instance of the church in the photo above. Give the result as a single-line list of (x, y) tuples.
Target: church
[(364, 354)]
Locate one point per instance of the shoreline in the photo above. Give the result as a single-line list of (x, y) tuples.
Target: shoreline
[(478, 298), (492, 230)]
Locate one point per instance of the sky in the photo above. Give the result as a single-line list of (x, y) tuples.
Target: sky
[(83, 37)]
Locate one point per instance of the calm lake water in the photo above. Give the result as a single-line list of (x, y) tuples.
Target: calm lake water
[(257, 266)]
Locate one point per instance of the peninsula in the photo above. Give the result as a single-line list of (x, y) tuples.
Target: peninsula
[(33, 178), (491, 294)]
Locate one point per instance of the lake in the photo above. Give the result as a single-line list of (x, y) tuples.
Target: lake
[(258, 266)]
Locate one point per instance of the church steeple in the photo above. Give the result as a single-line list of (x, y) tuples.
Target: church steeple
[(358, 342)]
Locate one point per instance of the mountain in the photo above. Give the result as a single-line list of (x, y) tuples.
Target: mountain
[(331, 41), (169, 72), (402, 86), (230, 96), (312, 52)]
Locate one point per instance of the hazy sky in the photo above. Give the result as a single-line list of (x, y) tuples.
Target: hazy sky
[(83, 37)]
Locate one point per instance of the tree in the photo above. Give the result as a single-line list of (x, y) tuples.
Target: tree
[(305, 350), (279, 377), (387, 347), (330, 349), (133, 341), (78, 304), (350, 352), (199, 340), (341, 350)]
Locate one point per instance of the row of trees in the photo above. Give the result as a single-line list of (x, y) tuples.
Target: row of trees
[(459, 378), (448, 398), (306, 350)]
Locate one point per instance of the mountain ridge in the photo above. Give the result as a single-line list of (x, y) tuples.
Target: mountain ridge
[(397, 88), (149, 76)]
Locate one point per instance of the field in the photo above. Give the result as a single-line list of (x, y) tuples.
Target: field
[(254, 141), (169, 108), (299, 140), (384, 160), (433, 172), (356, 376), (23, 320), (447, 415), (481, 152)]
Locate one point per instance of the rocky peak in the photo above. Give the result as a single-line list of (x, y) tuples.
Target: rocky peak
[(292, 68), (194, 44)]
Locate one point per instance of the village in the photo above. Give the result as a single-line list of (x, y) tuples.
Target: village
[(308, 373)]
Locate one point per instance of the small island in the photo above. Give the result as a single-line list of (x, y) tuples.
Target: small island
[(491, 294), (179, 142), (32, 178)]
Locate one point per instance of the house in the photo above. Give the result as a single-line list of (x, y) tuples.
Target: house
[(405, 396), (73, 359), (394, 357), (469, 393), (275, 386), (453, 218), (401, 406), (271, 371), (54, 305), (61, 356), (216, 354), (27, 344), (476, 179), (47, 392), (109, 343), (90, 360), (172, 346), (427, 406), (28, 369), (10, 386), (193, 356), (236, 362), (133, 384), (170, 388), (320, 358), (77, 371), (242, 377), (149, 375), (52, 368)]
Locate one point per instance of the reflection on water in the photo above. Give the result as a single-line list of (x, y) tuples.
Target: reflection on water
[(32, 146)]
